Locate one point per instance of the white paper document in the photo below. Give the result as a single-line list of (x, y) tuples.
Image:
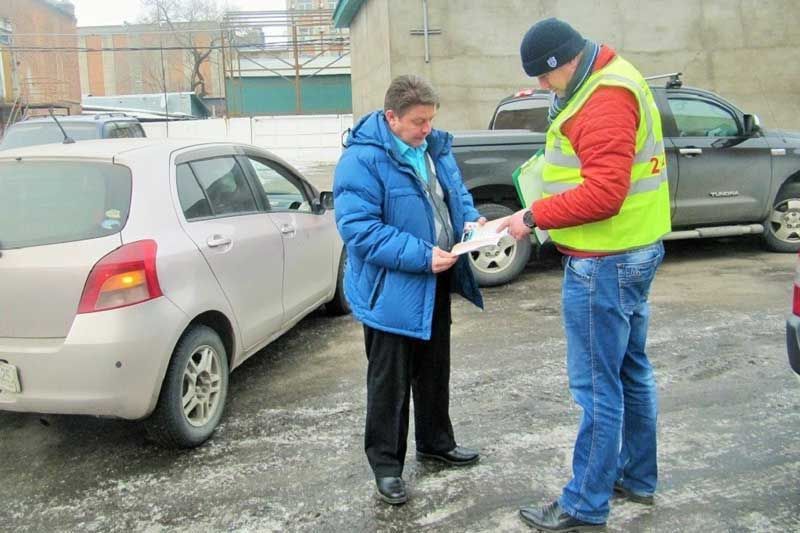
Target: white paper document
[(476, 237)]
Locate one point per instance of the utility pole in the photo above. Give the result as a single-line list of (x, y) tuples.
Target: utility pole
[(163, 69)]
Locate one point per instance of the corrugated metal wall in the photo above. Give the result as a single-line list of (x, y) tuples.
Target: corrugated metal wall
[(330, 94)]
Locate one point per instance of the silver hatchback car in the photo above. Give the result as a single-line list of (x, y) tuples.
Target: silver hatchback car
[(135, 273)]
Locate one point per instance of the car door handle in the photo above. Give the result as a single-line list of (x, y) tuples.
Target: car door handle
[(288, 229), (216, 241), (690, 152)]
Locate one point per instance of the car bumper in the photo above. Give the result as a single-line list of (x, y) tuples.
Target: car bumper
[(793, 342), (111, 363)]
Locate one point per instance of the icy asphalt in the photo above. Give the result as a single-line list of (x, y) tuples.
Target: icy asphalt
[(288, 455)]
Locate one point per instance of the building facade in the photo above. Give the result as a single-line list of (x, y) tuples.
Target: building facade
[(38, 60), (145, 58), (470, 50)]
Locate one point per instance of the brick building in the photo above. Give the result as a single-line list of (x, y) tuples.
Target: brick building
[(38, 60)]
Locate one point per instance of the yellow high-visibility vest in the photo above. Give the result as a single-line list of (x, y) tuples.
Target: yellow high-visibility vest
[(644, 217)]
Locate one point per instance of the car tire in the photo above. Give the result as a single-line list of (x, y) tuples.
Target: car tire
[(782, 228), (496, 265), (193, 393), (339, 304)]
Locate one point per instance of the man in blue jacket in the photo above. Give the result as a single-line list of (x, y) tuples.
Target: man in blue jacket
[(400, 205)]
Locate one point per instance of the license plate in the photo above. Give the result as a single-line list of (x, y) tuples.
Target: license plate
[(9, 379)]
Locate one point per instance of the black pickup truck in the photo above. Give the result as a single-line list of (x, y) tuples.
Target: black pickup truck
[(727, 175)]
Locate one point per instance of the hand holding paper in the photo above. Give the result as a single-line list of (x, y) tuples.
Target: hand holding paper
[(479, 236)]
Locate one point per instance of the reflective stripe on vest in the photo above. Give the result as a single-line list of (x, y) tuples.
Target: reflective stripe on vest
[(644, 215)]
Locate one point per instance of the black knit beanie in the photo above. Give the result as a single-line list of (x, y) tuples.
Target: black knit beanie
[(549, 44)]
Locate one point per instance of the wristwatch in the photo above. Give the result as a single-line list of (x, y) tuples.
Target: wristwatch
[(527, 219)]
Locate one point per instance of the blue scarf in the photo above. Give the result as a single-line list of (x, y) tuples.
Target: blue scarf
[(558, 103)]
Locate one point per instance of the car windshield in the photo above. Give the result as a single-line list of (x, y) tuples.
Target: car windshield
[(46, 133), (48, 202)]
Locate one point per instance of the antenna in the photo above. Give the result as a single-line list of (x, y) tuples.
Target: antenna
[(67, 138)]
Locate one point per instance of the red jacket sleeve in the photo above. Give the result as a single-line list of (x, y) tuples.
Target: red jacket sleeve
[(603, 134)]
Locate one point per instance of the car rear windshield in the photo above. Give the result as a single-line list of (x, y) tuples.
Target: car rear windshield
[(47, 133), (522, 115), (49, 202)]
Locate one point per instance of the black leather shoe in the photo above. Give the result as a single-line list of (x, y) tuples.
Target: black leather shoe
[(553, 518), (622, 492), (458, 456), (392, 490)]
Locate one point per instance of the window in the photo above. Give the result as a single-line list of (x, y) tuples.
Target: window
[(193, 200), (529, 114), (46, 132), (49, 202), (699, 118), (282, 190), (225, 186), (116, 130)]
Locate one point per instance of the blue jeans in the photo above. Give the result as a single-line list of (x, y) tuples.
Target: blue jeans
[(605, 317)]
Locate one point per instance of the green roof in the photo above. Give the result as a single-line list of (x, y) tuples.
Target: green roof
[(345, 12)]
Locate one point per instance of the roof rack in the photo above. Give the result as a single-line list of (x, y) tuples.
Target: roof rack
[(108, 114), (674, 81)]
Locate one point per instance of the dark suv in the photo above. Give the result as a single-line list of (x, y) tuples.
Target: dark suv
[(44, 130)]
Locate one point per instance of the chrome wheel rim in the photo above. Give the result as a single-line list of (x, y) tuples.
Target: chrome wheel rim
[(785, 221), (494, 259), (201, 387)]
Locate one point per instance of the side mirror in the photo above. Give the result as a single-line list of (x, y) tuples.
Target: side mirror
[(326, 200), (751, 124)]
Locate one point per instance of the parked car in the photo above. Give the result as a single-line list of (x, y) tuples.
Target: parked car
[(793, 324), (728, 176), (44, 130), (136, 273)]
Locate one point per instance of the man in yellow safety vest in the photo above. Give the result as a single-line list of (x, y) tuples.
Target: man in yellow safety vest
[(605, 203)]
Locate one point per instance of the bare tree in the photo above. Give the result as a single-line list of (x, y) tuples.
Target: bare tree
[(186, 19)]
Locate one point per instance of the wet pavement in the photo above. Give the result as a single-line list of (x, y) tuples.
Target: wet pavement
[(288, 455)]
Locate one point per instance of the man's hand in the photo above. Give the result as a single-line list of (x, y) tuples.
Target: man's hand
[(516, 227), (441, 260)]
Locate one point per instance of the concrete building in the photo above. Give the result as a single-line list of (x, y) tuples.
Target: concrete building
[(38, 61), (742, 49)]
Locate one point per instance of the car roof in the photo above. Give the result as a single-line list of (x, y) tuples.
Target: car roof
[(109, 148)]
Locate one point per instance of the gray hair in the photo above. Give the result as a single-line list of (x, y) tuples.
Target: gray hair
[(407, 91)]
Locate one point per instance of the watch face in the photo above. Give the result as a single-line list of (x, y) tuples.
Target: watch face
[(527, 218)]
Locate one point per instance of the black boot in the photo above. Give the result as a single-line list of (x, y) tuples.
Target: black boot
[(553, 518)]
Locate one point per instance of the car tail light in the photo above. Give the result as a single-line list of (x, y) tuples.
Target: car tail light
[(796, 294), (124, 277)]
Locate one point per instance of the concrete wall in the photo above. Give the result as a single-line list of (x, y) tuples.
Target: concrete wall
[(743, 49), (302, 140), (370, 66)]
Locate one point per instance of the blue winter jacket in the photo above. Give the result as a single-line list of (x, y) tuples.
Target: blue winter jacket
[(387, 224)]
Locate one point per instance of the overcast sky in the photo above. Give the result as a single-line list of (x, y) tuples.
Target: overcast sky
[(108, 12)]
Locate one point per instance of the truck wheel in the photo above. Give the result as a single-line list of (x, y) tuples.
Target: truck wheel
[(496, 265), (193, 393), (339, 304), (782, 228)]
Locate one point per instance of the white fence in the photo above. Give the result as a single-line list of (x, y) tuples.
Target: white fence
[(299, 139)]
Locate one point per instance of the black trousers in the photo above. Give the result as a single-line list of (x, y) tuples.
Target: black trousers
[(400, 365)]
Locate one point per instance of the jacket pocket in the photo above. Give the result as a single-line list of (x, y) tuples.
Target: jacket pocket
[(378, 288)]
